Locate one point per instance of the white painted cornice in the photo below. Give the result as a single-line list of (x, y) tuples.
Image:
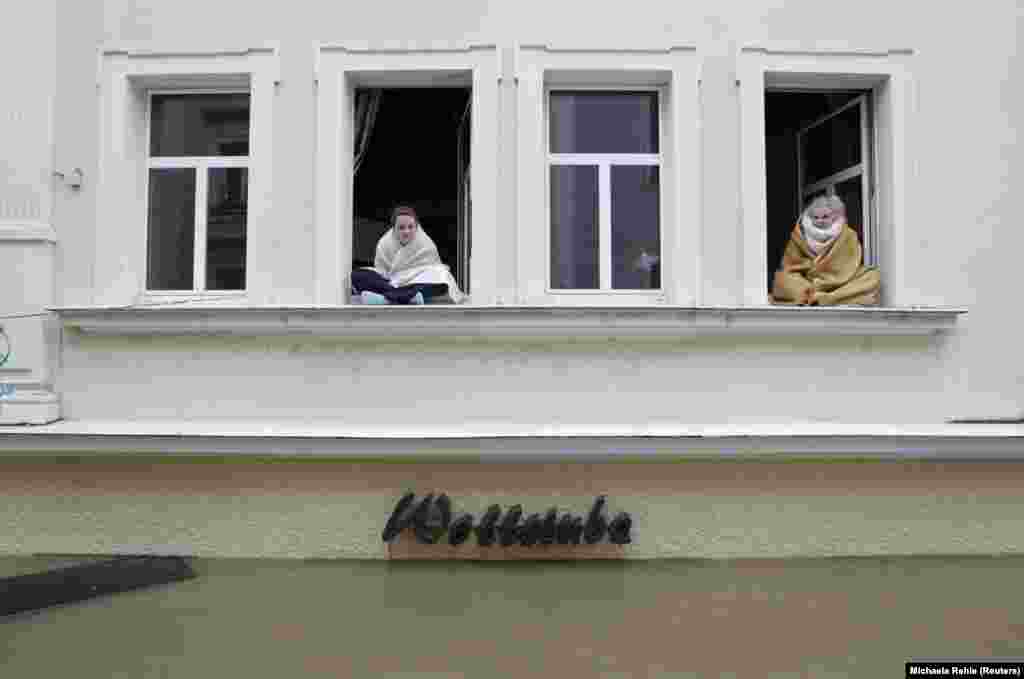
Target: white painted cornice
[(502, 441), (825, 49), (554, 323), (391, 47), (27, 231)]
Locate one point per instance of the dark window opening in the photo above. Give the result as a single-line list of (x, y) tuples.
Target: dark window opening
[(816, 142), (417, 154)]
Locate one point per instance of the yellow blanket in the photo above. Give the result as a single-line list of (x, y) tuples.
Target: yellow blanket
[(836, 276)]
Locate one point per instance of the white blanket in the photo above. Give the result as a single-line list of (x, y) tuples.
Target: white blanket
[(415, 262)]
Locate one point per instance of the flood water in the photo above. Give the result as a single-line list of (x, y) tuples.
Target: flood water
[(786, 618)]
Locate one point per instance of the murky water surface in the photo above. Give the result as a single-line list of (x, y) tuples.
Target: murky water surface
[(792, 618)]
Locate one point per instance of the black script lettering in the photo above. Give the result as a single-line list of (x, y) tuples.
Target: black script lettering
[(400, 517), (596, 524), (485, 529), (438, 517), (618, 529), (420, 519), (508, 529), (460, 529), (529, 534), (549, 527), (569, 530)]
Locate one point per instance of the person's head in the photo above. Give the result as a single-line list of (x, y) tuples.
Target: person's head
[(405, 223), (824, 211)]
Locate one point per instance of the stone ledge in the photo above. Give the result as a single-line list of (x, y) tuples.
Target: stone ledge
[(565, 323)]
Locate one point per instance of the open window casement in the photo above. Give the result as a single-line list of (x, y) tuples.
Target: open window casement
[(834, 157)]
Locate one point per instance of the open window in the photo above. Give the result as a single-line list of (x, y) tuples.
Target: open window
[(432, 144), (412, 148), (818, 142), (821, 120)]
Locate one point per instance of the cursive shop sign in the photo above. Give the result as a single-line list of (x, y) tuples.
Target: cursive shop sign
[(431, 517)]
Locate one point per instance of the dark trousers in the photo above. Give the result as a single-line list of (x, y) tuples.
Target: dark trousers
[(367, 280)]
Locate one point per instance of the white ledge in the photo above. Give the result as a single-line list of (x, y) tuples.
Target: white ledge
[(509, 322), (502, 441)]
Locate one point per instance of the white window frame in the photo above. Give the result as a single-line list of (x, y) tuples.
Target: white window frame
[(340, 69), (604, 162), (201, 165), (887, 74), (127, 78), (671, 70)]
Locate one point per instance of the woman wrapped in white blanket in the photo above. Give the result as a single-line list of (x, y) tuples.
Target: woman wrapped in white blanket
[(406, 256)]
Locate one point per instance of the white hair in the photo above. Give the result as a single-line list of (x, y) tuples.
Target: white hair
[(832, 202)]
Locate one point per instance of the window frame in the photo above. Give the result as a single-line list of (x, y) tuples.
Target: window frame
[(340, 69), (202, 165), (604, 162), (672, 71), (887, 75), (127, 78)]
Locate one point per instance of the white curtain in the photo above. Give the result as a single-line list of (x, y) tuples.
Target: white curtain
[(367, 106)]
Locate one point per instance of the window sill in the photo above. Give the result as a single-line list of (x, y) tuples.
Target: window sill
[(502, 322)]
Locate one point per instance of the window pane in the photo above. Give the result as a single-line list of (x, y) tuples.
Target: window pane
[(636, 228), (832, 146), (604, 122), (199, 125), (574, 227), (171, 228), (852, 194), (227, 209)]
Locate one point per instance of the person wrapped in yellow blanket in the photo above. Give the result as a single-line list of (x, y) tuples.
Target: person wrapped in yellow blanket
[(823, 261)]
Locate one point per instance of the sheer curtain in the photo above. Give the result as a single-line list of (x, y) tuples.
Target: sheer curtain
[(367, 106)]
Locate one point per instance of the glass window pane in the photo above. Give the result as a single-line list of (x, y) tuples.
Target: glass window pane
[(604, 122), (852, 194), (636, 228), (171, 228), (574, 227), (227, 209), (199, 125), (832, 146)]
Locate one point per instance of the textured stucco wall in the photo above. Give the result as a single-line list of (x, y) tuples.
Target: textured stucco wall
[(686, 509)]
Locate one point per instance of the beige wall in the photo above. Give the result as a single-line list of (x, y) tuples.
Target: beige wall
[(685, 509)]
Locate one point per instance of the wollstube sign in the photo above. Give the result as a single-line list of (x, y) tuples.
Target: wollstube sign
[(431, 517)]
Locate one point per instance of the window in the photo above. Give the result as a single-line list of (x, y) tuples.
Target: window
[(431, 142), (604, 191), (821, 121), (608, 185), (197, 194), (183, 198)]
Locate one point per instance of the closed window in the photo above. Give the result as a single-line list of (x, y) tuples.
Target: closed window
[(604, 192), (198, 181)]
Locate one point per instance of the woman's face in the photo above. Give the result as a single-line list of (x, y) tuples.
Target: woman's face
[(823, 217), (405, 226)]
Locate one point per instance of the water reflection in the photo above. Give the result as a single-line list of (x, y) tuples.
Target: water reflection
[(260, 618)]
